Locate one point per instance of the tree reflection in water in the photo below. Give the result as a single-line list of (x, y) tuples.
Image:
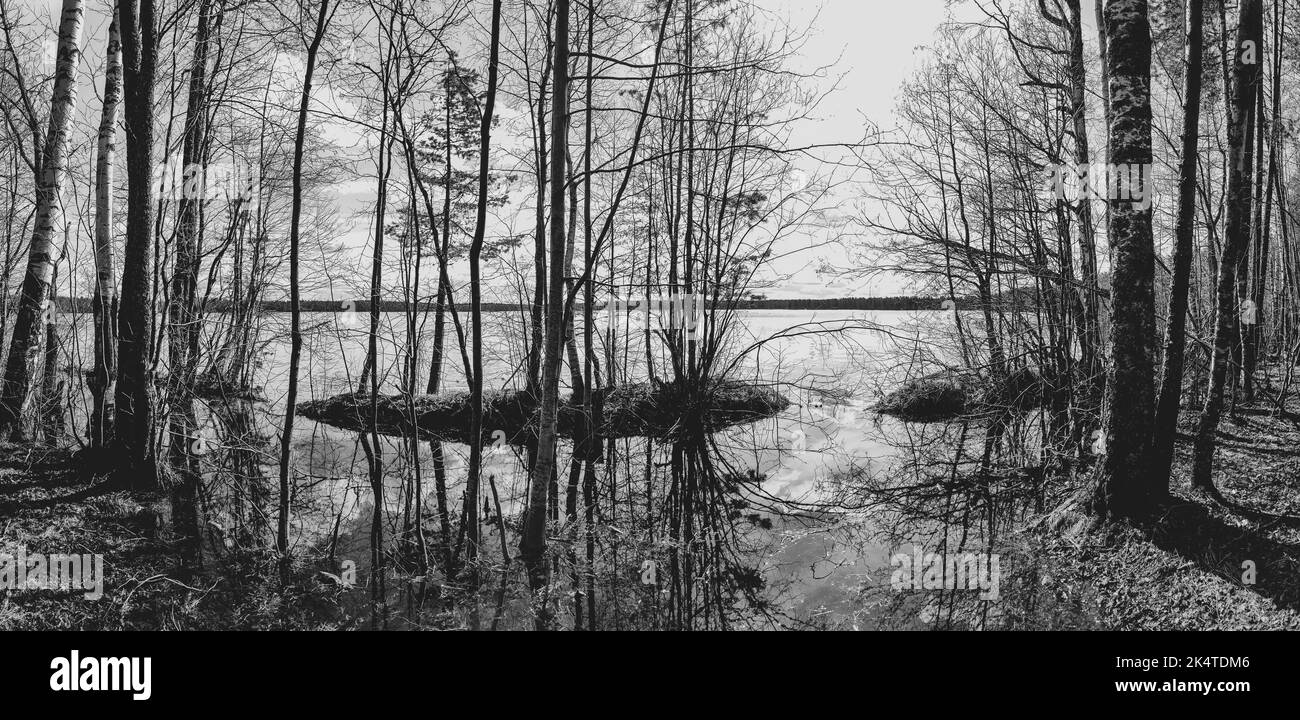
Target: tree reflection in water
[(691, 532)]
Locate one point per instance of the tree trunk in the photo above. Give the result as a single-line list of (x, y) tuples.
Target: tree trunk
[(1125, 486), (25, 346), (1171, 379), (52, 386), (1246, 77), (133, 423), (1090, 333), (1264, 209), (295, 307), (470, 521), (183, 320), (104, 304), (533, 544)]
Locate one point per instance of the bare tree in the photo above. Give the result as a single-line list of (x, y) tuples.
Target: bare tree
[(105, 301), (471, 519), (27, 341), (533, 544), (1246, 77), (323, 15), (1171, 379)]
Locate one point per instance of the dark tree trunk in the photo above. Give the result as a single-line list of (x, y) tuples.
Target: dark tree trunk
[(183, 325), (1264, 186), (533, 544), (1126, 488), (295, 307), (1171, 379), (1246, 78), (1090, 333), (133, 429), (471, 520)]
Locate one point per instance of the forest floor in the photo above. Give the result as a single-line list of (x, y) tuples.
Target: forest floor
[(49, 505), (1205, 565)]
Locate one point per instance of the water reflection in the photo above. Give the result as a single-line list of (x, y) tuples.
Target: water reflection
[(792, 523)]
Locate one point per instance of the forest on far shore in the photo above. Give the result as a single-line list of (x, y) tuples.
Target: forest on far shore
[(898, 302)]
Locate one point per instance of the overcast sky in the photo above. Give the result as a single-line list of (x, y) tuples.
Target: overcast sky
[(873, 44)]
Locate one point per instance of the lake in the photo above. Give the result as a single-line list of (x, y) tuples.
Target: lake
[(794, 521)]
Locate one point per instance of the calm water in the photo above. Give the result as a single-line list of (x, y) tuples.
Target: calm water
[(788, 522)]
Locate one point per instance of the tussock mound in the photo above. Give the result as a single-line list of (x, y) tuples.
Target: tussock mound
[(639, 409), (948, 394)]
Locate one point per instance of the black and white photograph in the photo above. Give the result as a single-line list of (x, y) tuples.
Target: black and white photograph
[(650, 315)]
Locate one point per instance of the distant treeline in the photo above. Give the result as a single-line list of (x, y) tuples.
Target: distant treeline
[(895, 302)]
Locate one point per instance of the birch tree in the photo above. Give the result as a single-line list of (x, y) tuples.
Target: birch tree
[(104, 304), (27, 341)]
